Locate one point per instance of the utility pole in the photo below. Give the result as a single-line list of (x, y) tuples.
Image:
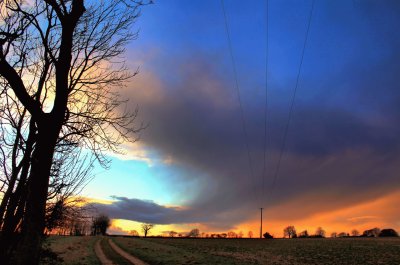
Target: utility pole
[(261, 209)]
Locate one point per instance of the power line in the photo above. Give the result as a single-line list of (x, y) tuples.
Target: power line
[(266, 98), (239, 97), (292, 101)]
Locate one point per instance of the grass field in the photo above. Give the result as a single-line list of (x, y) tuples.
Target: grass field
[(254, 251), (74, 250), (238, 251)]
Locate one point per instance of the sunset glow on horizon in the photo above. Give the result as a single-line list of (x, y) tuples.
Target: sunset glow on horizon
[(363, 216)]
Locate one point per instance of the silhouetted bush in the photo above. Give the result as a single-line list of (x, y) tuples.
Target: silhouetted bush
[(388, 233), (194, 233), (355, 233), (268, 235), (100, 225), (374, 232), (343, 234), (320, 232), (316, 236), (303, 234)]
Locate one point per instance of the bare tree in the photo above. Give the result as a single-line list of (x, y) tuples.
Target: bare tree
[(231, 234), (374, 232), (320, 232), (146, 228), (57, 63), (355, 232), (303, 234), (289, 231), (17, 140), (194, 233), (172, 233), (100, 224), (134, 233), (70, 172), (75, 220)]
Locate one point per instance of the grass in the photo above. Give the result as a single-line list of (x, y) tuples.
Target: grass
[(253, 251), (340, 251), (74, 250)]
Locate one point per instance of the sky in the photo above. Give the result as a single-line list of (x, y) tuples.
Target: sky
[(190, 169)]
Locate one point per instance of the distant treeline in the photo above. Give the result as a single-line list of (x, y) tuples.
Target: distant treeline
[(89, 224), (290, 232)]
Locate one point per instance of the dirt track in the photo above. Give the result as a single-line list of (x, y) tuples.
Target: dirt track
[(100, 254), (106, 261), (126, 255)]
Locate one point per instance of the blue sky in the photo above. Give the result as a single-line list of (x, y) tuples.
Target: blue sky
[(342, 137)]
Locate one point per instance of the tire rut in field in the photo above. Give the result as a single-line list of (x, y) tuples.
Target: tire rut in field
[(100, 254), (126, 255)]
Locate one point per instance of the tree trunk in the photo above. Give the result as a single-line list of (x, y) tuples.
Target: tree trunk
[(15, 206), (16, 169), (28, 250)]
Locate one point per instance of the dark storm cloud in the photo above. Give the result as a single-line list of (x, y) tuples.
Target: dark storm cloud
[(342, 146), (151, 212), (197, 123), (143, 211)]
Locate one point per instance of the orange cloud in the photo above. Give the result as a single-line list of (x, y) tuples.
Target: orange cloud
[(382, 212)]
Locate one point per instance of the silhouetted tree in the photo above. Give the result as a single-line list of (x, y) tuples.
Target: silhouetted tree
[(250, 234), (374, 232), (303, 234), (100, 224), (194, 233), (134, 233), (56, 61), (70, 172), (389, 232), (268, 235), (231, 234), (343, 234), (172, 233), (355, 232), (146, 228), (68, 216), (320, 232), (289, 232), (334, 234), (76, 220)]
